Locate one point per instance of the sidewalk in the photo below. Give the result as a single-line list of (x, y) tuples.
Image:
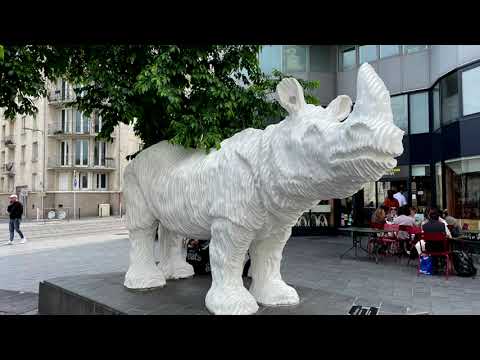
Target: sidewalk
[(5, 220)]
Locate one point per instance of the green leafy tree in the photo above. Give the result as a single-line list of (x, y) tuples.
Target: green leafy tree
[(193, 96)]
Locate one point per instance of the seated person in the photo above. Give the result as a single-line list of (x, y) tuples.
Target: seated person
[(378, 218), (404, 219), (435, 224), (451, 221)]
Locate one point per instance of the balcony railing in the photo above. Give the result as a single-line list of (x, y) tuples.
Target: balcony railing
[(106, 164), (57, 97), (8, 168), (9, 140), (59, 129)]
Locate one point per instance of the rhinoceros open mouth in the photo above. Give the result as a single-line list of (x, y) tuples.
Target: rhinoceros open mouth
[(379, 158)]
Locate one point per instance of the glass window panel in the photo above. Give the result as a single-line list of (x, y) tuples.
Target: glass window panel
[(436, 107), (103, 178), (389, 50), (85, 152), (471, 91), (295, 58), (462, 179), (78, 150), (410, 49), (419, 113), (96, 156), (78, 121), (367, 53), (400, 111), (271, 58), (103, 145), (449, 98), (348, 59), (321, 59)]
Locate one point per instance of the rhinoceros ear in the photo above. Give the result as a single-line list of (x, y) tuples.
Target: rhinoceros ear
[(290, 95), (340, 107)]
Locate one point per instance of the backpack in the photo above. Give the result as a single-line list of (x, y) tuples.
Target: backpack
[(463, 264)]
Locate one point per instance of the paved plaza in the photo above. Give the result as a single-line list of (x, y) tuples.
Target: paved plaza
[(101, 246)]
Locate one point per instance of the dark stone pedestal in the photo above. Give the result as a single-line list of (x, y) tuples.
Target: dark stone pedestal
[(105, 294)]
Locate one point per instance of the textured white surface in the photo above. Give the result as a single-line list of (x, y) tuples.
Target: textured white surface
[(248, 194)]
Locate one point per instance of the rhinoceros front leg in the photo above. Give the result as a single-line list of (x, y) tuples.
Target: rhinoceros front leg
[(267, 286), (172, 259), (228, 246)]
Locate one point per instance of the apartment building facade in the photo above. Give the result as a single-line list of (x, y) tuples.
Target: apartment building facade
[(56, 165)]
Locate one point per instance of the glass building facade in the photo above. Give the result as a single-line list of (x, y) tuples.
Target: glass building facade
[(441, 162)]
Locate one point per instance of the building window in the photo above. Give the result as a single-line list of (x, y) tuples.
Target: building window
[(100, 153), (295, 58), (321, 59), (22, 154), (82, 123), (449, 98), (419, 113), (400, 111), (367, 53), (34, 122), (98, 124), (348, 59), (35, 151), (23, 125), (4, 131), (81, 152), (410, 49), (270, 58), (389, 50), (462, 179), (66, 120), (64, 153), (101, 181), (34, 182), (471, 91), (436, 107), (3, 157), (2, 184), (83, 181)]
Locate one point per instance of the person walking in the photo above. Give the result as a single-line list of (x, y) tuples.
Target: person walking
[(15, 209)]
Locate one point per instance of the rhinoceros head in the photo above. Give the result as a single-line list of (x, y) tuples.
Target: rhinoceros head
[(340, 150)]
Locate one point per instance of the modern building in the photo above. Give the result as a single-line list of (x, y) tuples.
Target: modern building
[(55, 163), (435, 95)]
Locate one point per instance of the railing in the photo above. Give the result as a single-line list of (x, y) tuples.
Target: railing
[(59, 128), (9, 140), (56, 96), (8, 168), (107, 163)]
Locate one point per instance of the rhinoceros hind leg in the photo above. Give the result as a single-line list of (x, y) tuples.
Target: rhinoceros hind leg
[(267, 286), (228, 246), (142, 272), (172, 259)]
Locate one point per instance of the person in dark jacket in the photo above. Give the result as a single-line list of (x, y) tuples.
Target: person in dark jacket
[(15, 210)]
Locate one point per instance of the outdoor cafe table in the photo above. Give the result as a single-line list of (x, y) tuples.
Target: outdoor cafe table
[(357, 233)]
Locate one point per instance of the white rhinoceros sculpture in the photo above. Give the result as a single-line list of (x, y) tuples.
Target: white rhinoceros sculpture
[(247, 195)]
